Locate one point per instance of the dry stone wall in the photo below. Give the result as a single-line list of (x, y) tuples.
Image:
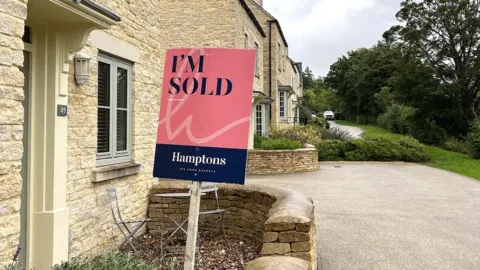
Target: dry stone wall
[(282, 161), (282, 219)]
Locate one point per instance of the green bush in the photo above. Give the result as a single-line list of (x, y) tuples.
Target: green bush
[(373, 148), (428, 132), (280, 144), (463, 146), (257, 140), (412, 150), (331, 150), (320, 122), (397, 118), (114, 260), (475, 137), (303, 134)]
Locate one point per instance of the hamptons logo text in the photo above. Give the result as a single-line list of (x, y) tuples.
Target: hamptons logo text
[(178, 157)]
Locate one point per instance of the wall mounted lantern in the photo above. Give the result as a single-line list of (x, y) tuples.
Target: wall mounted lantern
[(82, 67)]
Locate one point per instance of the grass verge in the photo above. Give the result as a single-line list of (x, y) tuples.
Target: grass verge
[(441, 158)]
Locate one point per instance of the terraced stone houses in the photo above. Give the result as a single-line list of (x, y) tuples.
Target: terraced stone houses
[(66, 135)]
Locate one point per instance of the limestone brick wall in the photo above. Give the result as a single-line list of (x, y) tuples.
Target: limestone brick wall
[(151, 26), (13, 14), (283, 220), (282, 161), (247, 26), (245, 212)]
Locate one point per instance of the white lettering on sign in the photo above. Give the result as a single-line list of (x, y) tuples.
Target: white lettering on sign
[(178, 157)]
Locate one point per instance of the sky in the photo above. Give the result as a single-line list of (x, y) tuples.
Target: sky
[(318, 32)]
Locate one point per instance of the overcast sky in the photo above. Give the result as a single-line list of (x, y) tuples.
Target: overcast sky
[(318, 32)]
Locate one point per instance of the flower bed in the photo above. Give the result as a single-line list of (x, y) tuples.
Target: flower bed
[(282, 219)]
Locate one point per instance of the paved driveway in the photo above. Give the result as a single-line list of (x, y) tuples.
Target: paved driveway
[(390, 216), (355, 132)]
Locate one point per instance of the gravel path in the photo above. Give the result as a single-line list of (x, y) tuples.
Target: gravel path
[(390, 216), (355, 132)]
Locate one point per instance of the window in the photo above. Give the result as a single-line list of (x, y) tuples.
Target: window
[(260, 120), (257, 69), (246, 41), (282, 104), (114, 111)]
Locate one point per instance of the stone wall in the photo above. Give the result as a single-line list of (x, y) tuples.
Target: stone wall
[(282, 161), (282, 219), (13, 14)]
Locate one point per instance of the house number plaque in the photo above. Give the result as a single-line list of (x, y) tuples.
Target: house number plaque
[(61, 110)]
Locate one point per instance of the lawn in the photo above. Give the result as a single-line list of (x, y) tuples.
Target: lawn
[(441, 158)]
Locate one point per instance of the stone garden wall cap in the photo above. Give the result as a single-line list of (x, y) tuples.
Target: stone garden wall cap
[(290, 206), (278, 263)]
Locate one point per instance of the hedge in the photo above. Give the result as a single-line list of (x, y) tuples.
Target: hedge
[(373, 148)]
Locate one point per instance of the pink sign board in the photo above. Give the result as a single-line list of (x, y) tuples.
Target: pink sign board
[(204, 120)]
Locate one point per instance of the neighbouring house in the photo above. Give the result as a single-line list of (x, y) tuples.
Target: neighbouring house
[(282, 76), (80, 87)]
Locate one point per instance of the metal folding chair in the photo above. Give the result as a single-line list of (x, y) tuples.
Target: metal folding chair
[(123, 225), (205, 188)]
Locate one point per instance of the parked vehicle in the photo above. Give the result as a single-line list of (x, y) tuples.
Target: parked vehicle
[(329, 115)]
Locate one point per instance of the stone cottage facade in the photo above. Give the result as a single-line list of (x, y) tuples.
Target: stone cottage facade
[(63, 143), (282, 76)]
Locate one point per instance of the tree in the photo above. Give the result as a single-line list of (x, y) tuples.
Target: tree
[(445, 36), (308, 79), (359, 75)]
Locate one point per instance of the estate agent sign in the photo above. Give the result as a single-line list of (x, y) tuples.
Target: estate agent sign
[(205, 115)]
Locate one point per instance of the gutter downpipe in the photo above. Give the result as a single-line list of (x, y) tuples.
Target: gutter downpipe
[(270, 64)]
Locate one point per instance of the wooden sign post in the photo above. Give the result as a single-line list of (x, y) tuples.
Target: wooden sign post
[(192, 230)]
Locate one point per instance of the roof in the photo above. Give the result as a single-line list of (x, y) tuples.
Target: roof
[(294, 64), (272, 19), (252, 17), (100, 9)]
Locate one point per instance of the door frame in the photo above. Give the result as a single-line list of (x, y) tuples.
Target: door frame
[(26, 183)]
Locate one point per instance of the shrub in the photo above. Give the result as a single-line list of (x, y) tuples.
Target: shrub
[(257, 140), (331, 150), (373, 148), (336, 134), (428, 132), (304, 134), (397, 118), (320, 122), (280, 144), (463, 146), (475, 135), (412, 150)]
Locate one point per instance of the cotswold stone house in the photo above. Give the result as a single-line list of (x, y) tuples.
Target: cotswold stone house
[(80, 88), (282, 76)]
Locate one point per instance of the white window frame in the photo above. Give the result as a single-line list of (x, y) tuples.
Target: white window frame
[(114, 156), (285, 101), (262, 118)]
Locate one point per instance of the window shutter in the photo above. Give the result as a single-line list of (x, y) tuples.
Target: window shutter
[(103, 119)]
